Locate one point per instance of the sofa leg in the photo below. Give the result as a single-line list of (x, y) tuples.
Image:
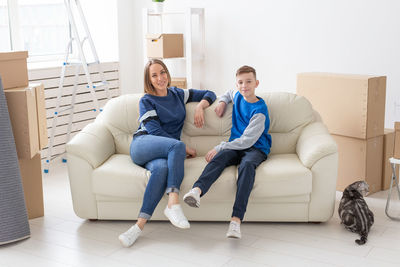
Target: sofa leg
[(315, 222), (93, 220)]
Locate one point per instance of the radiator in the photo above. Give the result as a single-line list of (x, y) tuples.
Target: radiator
[(83, 111)]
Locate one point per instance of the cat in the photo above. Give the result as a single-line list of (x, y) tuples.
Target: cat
[(354, 212)]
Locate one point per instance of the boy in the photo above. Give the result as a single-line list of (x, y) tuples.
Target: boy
[(248, 146)]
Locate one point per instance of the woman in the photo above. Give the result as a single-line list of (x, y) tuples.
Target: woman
[(156, 145)]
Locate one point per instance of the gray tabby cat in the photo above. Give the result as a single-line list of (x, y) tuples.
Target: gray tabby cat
[(354, 211)]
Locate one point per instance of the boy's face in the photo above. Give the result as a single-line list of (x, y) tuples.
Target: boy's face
[(246, 83)]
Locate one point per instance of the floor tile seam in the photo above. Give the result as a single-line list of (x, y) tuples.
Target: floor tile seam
[(313, 248), (40, 256), (147, 252)]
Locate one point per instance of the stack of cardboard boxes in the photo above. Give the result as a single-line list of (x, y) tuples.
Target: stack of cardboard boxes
[(388, 152), (26, 106), (166, 45), (179, 82), (392, 138), (353, 108)]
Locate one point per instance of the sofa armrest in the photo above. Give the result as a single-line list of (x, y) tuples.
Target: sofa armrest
[(314, 143), (94, 143)]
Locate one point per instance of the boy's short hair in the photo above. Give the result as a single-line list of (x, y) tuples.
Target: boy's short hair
[(246, 69)]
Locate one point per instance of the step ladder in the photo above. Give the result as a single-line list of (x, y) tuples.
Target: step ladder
[(77, 63)]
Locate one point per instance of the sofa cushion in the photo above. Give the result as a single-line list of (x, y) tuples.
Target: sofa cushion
[(281, 175), (202, 144), (120, 177), (276, 177), (213, 125), (221, 190)]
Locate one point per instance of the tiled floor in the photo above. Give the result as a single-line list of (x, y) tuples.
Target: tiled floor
[(62, 239)]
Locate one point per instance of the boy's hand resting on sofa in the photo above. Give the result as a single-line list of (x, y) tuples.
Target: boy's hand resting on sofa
[(190, 152), (220, 109), (211, 154)]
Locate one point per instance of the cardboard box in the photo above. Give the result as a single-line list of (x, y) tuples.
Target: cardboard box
[(21, 104), (179, 82), (164, 45), (13, 69), (388, 149), (31, 175), (350, 105), (359, 159), (397, 140), (41, 114)]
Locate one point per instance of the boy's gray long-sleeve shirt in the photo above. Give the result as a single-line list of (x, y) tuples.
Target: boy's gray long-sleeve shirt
[(252, 132)]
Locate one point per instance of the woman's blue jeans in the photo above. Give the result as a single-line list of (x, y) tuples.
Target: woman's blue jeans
[(164, 158)]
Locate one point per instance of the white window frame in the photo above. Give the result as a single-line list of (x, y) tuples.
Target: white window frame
[(16, 42), (14, 26)]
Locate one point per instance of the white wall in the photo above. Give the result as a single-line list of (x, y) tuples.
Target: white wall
[(130, 46), (101, 16), (280, 39)]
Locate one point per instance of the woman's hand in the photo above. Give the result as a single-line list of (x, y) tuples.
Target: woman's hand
[(211, 154), (190, 152), (199, 113), (220, 109), (199, 116)]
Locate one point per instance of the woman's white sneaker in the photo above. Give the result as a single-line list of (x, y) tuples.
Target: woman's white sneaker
[(176, 216), (129, 237), (234, 230), (192, 198)]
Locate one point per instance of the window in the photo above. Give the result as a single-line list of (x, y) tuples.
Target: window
[(5, 43), (44, 27), (39, 26)]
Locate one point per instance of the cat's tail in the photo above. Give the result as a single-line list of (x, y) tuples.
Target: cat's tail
[(362, 240)]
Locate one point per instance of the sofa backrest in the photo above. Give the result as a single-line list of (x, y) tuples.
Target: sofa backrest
[(288, 113)]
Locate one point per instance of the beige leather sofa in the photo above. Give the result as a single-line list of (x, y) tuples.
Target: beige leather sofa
[(296, 183)]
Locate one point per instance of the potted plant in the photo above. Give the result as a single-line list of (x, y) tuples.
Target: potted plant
[(158, 6)]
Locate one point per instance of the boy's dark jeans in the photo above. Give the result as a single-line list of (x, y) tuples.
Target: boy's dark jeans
[(249, 159)]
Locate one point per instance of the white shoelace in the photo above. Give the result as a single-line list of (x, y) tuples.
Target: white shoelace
[(177, 214), (195, 191), (234, 227), (132, 234)]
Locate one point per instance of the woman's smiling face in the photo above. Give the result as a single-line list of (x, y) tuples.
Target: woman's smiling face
[(159, 79)]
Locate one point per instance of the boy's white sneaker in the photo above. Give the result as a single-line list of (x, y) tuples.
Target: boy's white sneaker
[(234, 230), (129, 237), (176, 216), (192, 198)]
